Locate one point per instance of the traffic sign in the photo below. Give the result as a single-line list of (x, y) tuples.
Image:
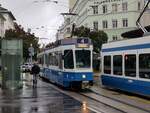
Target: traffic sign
[(31, 51)]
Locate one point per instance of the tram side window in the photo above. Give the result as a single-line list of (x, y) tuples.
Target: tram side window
[(107, 64), (42, 59), (60, 60), (55, 59), (50, 59), (68, 59), (117, 64), (144, 66), (130, 65), (47, 59)]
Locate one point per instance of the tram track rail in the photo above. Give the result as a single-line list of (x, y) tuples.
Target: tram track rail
[(90, 106), (117, 100), (103, 103), (123, 109), (141, 110)]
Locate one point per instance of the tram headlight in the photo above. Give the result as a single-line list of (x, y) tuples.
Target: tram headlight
[(83, 76)]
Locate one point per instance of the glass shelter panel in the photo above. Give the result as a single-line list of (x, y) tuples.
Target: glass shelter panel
[(130, 65), (117, 64), (144, 66), (107, 64), (11, 62), (83, 58), (68, 59)]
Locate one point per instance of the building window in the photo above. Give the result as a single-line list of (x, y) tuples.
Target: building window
[(114, 23), (139, 6), (107, 64), (124, 6), (95, 9), (144, 66), (105, 24), (104, 9), (95, 25), (125, 22), (114, 8), (115, 38), (117, 65), (130, 65)]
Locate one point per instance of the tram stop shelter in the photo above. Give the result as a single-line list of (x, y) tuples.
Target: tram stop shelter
[(11, 58)]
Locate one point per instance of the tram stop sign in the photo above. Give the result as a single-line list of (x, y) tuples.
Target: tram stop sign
[(31, 51)]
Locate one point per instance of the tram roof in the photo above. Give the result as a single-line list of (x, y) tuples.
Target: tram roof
[(71, 41), (140, 42)]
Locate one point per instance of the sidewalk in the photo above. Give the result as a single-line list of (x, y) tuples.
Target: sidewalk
[(43, 99)]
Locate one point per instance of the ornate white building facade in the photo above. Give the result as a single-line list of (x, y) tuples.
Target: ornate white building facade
[(6, 21), (112, 16)]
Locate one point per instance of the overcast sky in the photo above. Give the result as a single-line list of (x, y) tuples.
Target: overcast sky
[(34, 15)]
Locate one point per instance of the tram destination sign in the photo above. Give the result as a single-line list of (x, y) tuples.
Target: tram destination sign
[(82, 43)]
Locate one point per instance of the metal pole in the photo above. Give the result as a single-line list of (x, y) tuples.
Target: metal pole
[(44, 54), (141, 14), (31, 58), (31, 52)]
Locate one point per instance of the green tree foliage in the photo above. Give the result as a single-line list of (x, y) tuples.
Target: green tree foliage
[(28, 38), (97, 37), (81, 32)]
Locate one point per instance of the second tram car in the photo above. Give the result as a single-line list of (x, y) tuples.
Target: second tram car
[(126, 65), (69, 63)]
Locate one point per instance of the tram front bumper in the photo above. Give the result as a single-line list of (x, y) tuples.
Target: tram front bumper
[(87, 84), (79, 76)]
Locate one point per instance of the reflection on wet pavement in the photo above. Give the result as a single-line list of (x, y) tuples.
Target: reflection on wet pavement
[(42, 99)]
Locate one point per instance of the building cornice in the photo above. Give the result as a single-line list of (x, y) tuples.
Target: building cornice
[(1, 16), (3, 10), (121, 12), (10, 14), (119, 28)]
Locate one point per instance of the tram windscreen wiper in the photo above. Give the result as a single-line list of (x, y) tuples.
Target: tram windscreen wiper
[(69, 51)]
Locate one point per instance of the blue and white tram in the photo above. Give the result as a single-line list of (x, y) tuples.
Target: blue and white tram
[(126, 65), (69, 64)]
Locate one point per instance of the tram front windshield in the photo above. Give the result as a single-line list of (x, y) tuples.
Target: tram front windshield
[(83, 58)]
